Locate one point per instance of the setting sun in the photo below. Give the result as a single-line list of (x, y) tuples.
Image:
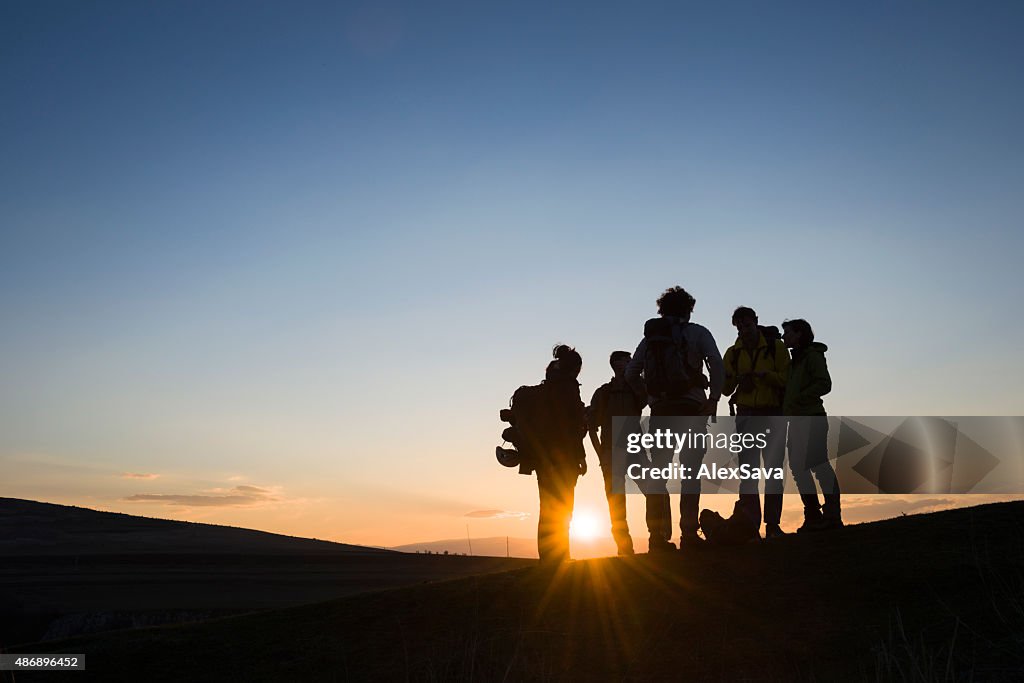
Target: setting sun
[(584, 526)]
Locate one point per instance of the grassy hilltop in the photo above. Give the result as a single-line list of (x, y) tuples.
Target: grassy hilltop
[(928, 597), (67, 571)]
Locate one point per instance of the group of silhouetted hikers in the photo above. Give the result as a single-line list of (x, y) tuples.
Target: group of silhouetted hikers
[(767, 386)]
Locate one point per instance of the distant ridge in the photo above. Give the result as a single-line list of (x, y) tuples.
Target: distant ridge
[(496, 546), (29, 527), (492, 546)]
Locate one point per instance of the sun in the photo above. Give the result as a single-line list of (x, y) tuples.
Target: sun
[(584, 526)]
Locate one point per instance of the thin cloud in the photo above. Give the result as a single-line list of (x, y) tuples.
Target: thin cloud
[(138, 475), (239, 496), (497, 514)]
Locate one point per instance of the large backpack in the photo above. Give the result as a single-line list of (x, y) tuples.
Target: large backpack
[(544, 419), (738, 529), (668, 371)]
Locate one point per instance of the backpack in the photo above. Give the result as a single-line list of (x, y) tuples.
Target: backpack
[(771, 334), (542, 421), (738, 529), (668, 372)]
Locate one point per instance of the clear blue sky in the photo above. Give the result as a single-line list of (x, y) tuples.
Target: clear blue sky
[(281, 243)]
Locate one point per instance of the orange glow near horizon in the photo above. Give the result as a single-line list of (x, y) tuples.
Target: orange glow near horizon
[(399, 519), (586, 526)]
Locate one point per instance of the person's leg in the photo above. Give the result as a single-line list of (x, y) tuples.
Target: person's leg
[(691, 459), (799, 434), (823, 471), (547, 544), (774, 456), (556, 502), (558, 493), (832, 509), (567, 502), (659, 511), (616, 511), (749, 499)]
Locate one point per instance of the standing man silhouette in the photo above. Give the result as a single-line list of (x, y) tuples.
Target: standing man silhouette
[(667, 370), (611, 399), (756, 369)]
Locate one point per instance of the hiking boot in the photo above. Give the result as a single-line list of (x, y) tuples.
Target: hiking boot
[(828, 523), (831, 513), (812, 521), (773, 531), (689, 542), (659, 545)]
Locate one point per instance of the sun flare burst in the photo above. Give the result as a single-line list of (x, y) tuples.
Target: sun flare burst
[(584, 526)]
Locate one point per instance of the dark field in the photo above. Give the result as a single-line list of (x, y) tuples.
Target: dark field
[(67, 571), (936, 597), (52, 597)]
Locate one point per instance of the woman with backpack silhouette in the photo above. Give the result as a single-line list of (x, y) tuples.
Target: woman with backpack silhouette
[(550, 422)]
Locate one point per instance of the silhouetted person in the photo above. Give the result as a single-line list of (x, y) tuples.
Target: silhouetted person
[(808, 381), (611, 399), (551, 423), (667, 368), (756, 369)]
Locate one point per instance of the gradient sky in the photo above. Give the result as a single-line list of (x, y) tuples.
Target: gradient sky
[(285, 261)]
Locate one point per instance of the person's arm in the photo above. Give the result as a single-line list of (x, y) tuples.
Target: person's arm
[(729, 363), (778, 376), (817, 370), (634, 370), (595, 415), (716, 368), (581, 419), (715, 365)]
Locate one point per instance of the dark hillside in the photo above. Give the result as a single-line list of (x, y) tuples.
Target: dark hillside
[(929, 597), (66, 571), (28, 527)]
